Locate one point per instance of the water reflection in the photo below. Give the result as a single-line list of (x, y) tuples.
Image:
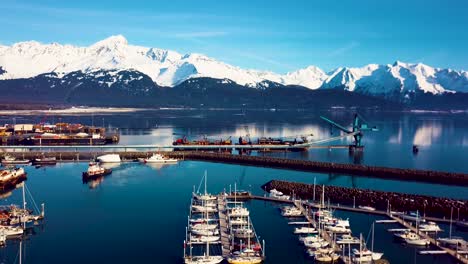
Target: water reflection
[(427, 134)]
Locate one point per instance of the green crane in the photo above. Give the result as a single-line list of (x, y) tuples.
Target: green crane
[(359, 125)]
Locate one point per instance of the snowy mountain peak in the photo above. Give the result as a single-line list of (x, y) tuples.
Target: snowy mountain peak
[(169, 68)]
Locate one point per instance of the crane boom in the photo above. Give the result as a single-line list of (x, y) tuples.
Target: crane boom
[(340, 127)]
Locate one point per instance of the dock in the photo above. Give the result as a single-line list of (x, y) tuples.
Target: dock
[(132, 152), (461, 256), (223, 226)]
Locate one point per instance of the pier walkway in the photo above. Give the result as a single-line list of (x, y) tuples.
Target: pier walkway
[(223, 230)]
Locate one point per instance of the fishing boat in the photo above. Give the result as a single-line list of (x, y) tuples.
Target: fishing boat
[(10, 160), (109, 158), (158, 158), (9, 178), (45, 161), (94, 171)]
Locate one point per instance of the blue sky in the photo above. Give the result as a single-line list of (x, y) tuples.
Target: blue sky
[(280, 36)]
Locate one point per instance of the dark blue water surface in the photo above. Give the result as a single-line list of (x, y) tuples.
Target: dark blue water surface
[(138, 214)]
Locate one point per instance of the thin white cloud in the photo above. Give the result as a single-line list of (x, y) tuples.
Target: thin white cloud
[(342, 50)]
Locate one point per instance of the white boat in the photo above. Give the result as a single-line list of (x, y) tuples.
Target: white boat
[(416, 240), (311, 239), (304, 230), (326, 257), (94, 170), (203, 226), (158, 158), (316, 244), (202, 232), (279, 195), (203, 239), (203, 209), (109, 158), (243, 233), (291, 212), (239, 259), (11, 231), (238, 221), (3, 239), (365, 255), (347, 239), (11, 176), (430, 227), (10, 160), (412, 216), (340, 226), (239, 212), (368, 208)]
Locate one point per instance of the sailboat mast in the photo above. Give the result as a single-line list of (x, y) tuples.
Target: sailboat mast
[(450, 230), (360, 247), (24, 198), (206, 179), (372, 241)]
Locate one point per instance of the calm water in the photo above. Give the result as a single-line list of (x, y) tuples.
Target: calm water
[(138, 214)]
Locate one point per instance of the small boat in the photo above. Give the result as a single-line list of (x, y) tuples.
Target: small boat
[(203, 232), (11, 177), (203, 226), (11, 231), (417, 241), (347, 239), (365, 255), (291, 212), (430, 227), (10, 160), (310, 239), (109, 158), (203, 209), (317, 244), (368, 208), (413, 216), (305, 230), (204, 260), (158, 158), (94, 171), (45, 161), (239, 212), (326, 257), (204, 239), (279, 195)]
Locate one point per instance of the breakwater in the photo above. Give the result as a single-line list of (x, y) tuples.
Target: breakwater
[(426, 205), (447, 178)]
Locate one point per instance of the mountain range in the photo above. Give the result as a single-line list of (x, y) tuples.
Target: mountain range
[(66, 72)]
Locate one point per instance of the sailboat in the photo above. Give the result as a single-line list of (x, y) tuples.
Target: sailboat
[(415, 239), (206, 196), (205, 259), (364, 254), (452, 241)]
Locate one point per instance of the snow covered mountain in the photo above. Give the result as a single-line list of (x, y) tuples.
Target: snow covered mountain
[(169, 68)]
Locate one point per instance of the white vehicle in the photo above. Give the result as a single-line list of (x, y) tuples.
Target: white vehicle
[(109, 158), (277, 194), (158, 158)]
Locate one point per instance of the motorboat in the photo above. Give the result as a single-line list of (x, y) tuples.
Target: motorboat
[(430, 227), (326, 257), (368, 208), (10, 231), (305, 230), (204, 239), (416, 240), (238, 221), (412, 216), (94, 171), (8, 177), (10, 160), (203, 232), (203, 226), (347, 239), (279, 195), (158, 158), (239, 212), (365, 255), (243, 233), (291, 212), (109, 158), (45, 161)]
